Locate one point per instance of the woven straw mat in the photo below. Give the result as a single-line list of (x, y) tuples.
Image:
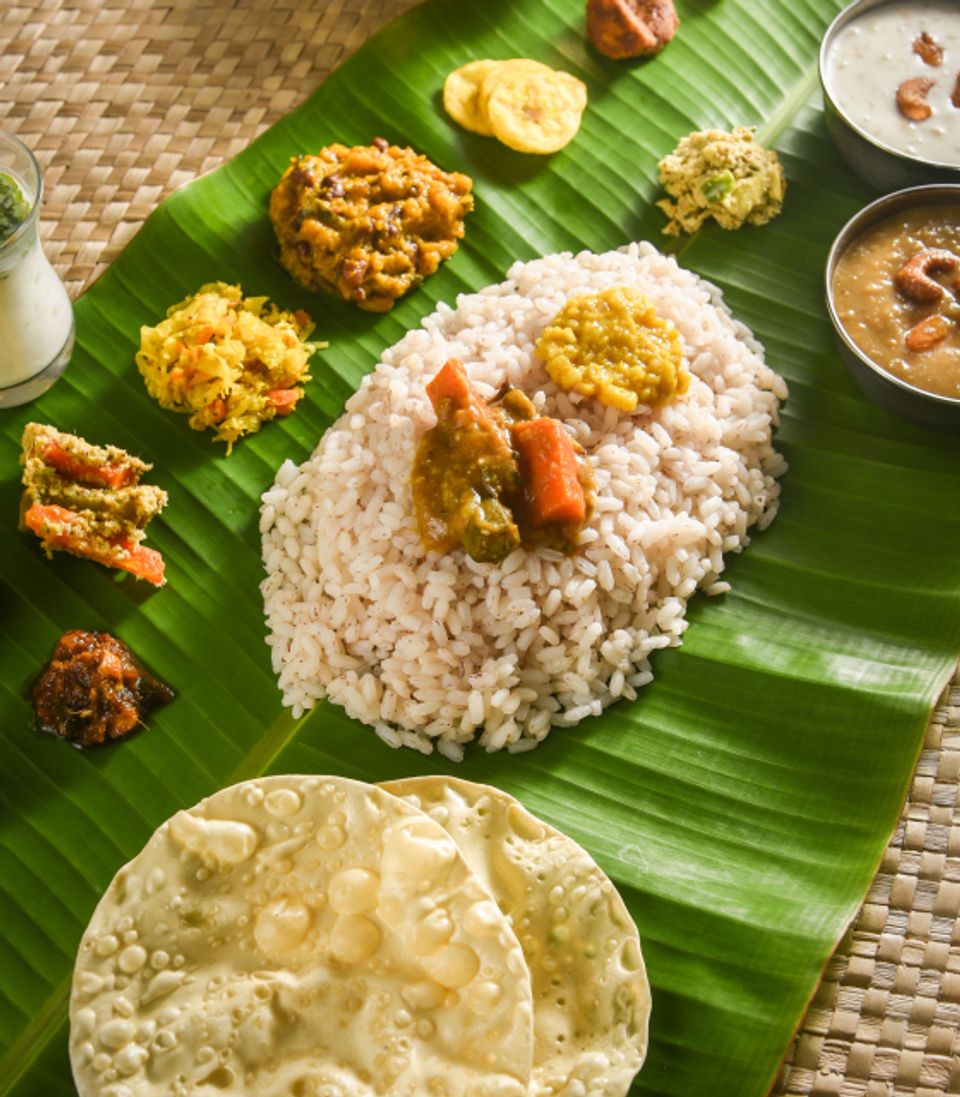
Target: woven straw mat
[(122, 102)]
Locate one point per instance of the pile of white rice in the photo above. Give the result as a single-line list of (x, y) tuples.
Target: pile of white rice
[(439, 650)]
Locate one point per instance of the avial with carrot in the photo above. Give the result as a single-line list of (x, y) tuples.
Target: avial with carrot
[(494, 476)]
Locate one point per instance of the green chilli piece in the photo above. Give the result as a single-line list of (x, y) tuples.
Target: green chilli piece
[(718, 187)]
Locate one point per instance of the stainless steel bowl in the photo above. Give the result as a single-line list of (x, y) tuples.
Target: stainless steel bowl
[(926, 409), (879, 165)]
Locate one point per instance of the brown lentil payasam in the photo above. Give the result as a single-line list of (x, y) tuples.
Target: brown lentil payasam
[(368, 222), (896, 290)]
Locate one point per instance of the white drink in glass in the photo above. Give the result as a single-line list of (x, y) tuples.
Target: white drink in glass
[(36, 317)]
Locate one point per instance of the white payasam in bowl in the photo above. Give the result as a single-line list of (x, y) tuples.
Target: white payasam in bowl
[(890, 71)]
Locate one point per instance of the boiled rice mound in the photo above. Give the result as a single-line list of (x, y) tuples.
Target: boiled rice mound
[(436, 651)]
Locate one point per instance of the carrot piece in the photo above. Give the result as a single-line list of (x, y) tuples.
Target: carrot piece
[(75, 468), (44, 521), (452, 395), (548, 464), (284, 400), (144, 563), (451, 383), (63, 528)]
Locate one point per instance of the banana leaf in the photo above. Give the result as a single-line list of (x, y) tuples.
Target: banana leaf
[(742, 803)]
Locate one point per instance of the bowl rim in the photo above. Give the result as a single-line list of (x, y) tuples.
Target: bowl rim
[(848, 15), (861, 220)]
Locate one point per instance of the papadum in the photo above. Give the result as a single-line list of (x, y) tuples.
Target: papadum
[(591, 998), (301, 936)]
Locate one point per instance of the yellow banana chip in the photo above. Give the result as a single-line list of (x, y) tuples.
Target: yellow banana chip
[(533, 111), (461, 96), (527, 105), (515, 66)]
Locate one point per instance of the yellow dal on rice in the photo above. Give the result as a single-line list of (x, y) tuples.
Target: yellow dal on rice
[(613, 346)]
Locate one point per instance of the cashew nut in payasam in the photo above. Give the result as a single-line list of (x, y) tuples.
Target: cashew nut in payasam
[(928, 49), (914, 280), (928, 333), (912, 98)]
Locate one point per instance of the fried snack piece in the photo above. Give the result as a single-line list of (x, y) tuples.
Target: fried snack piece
[(325, 938), (631, 28), (527, 105), (461, 96), (367, 223), (532, 108), (87, 500), (513, 66)]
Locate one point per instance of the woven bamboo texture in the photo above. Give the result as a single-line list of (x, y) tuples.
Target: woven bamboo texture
[(123, 102)]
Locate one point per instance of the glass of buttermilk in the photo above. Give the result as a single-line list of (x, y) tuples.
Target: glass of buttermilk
[(36, 318)]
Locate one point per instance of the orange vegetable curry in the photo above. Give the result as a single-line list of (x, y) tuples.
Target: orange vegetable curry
[(492, 477)]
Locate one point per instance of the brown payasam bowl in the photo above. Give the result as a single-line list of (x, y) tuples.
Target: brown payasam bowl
[(878, 164), (926, 409)]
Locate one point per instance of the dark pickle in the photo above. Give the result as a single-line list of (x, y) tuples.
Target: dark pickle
[(94, 690)]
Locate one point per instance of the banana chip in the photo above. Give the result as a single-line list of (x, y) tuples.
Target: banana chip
[(461, 96), (524, 103), (536, 112), (514, 67)]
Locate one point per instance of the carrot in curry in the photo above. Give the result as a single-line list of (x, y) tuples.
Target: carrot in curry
[(548, 466), (453, 384), (494, 477)]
